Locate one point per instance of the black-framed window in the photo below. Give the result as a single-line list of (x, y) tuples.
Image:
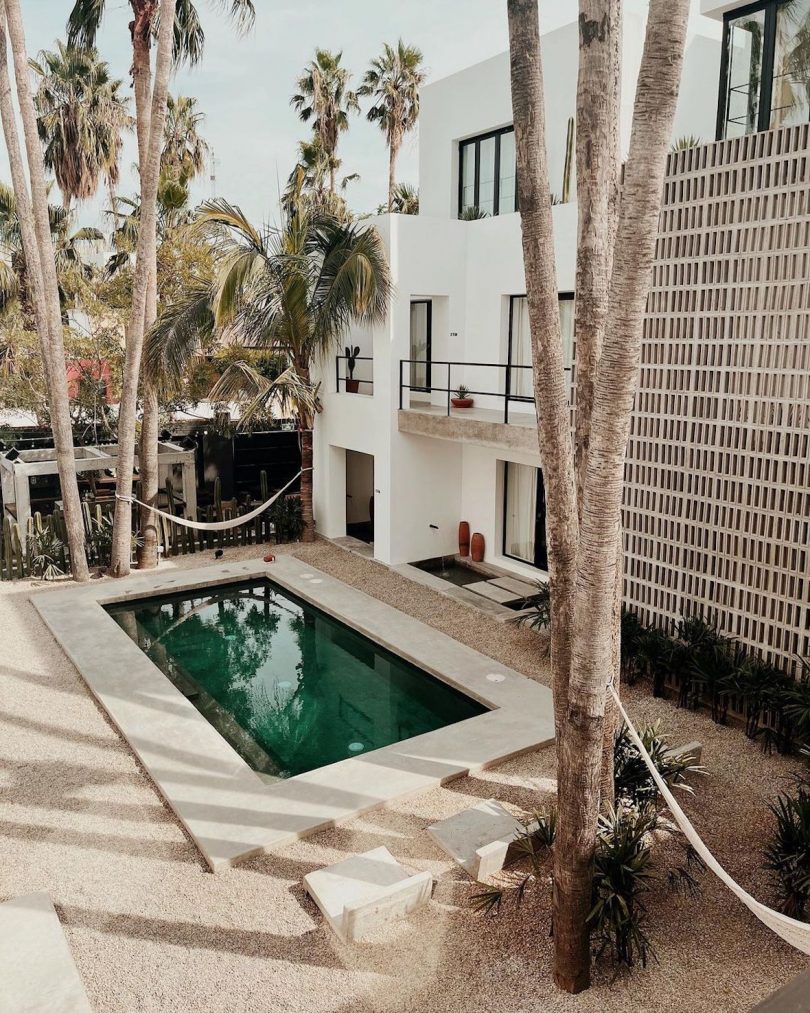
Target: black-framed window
[(519, 348), (524, 514), (487, 173), (421, 343), (764, 67)]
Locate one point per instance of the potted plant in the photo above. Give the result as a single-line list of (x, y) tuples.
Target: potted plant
[(462, 398), (352, 385)]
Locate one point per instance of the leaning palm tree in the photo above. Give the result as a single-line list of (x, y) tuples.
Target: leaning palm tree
[(393, 81), (82, 116), (187, 40), (324, 97), (185, 150), (294, 291)]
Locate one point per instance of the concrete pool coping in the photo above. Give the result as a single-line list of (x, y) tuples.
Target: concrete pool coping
[(227, 809)]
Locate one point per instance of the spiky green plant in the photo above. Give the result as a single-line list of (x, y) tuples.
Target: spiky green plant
[(788, 854)]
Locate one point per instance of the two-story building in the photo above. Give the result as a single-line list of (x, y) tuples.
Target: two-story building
[(716, 506)]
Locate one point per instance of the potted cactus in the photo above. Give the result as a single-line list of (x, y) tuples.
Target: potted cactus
[(352, 385), (462, 398)]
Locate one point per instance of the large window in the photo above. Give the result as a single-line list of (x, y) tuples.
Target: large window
[(765, 68), (519, 379), (524, 514), (486, 181)]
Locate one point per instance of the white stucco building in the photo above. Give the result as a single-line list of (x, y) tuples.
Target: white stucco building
[(396, 453)]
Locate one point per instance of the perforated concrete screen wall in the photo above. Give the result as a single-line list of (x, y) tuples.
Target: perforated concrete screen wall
[(717, 501)]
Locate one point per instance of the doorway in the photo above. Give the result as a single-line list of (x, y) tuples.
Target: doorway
[(360, 496), (421, 346)]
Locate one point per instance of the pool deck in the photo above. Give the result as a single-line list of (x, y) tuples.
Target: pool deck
[(227, 809)]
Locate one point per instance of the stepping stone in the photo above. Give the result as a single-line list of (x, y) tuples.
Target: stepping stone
[(478, 838), (489, 590), (37, 971), (520, 587), (366, 891)]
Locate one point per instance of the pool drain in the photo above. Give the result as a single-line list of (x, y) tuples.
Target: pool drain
[(356, 747)]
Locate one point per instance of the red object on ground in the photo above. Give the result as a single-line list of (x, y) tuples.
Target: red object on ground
[(269, 558), (477, 547), (463, 538)]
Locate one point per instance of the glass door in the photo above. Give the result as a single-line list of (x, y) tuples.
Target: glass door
[(421, 341), (524, 515)]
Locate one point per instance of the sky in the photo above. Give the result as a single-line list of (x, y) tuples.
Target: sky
[(244, 83)]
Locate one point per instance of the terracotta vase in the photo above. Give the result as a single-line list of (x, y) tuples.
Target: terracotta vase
[(477, 547), (463, 538)]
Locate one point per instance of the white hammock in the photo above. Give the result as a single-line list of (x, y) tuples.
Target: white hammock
[(234, 522), (792, 931)]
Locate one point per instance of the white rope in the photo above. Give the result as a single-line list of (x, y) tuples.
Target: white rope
[(790, 929), (234, 522)]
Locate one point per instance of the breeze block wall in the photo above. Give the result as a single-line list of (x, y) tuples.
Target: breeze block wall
[(717, 500)]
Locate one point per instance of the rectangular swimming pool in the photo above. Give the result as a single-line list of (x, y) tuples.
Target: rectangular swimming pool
[(289, 687)]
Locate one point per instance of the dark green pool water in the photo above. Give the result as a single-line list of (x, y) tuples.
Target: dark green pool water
[(289, 687)]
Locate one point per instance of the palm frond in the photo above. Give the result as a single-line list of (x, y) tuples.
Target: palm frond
[(178, 335)]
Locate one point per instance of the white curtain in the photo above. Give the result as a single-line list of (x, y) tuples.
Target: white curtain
[(521, 510), (521, 350)]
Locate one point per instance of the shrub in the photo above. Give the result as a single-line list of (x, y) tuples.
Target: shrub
[(632, 781), (622, 875), (287, 518), (538, 606), (788, 855), (45, 550)]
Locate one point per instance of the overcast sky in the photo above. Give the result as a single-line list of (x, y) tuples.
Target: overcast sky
[(244, 84)]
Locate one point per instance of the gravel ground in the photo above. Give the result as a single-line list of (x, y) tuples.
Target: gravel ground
[(151, 930)]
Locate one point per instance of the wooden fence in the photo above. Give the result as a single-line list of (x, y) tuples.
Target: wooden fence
[(41, 550)]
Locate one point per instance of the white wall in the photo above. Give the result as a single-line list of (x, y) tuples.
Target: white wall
[(424, 486)]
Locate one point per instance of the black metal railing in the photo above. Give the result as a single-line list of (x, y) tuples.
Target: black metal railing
[(352, 384), (507, 393)]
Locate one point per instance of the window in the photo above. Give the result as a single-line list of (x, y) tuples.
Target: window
[(519, 380), (421, 328), (524, 514), (765, 67), (487, 175)]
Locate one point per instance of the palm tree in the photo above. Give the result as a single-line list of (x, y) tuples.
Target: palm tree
[(406, 201), (324, 97), (185, 150), (393, 80), (71, 268), (584, 554), (186, 39), (81, 116), (35, 231), (306, 182), (293, 291)]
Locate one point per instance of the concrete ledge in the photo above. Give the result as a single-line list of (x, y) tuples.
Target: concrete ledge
[(500, 435), (227, 809), (37, 972)]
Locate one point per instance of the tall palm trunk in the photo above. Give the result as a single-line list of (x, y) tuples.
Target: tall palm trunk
[(42, 271), (584, 620), (579, 764), (150, 423), (597, 155), (306, 423), (550, 384), (146, 252), (393, 151)]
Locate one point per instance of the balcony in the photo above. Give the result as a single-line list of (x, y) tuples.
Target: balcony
[(502, 412)]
